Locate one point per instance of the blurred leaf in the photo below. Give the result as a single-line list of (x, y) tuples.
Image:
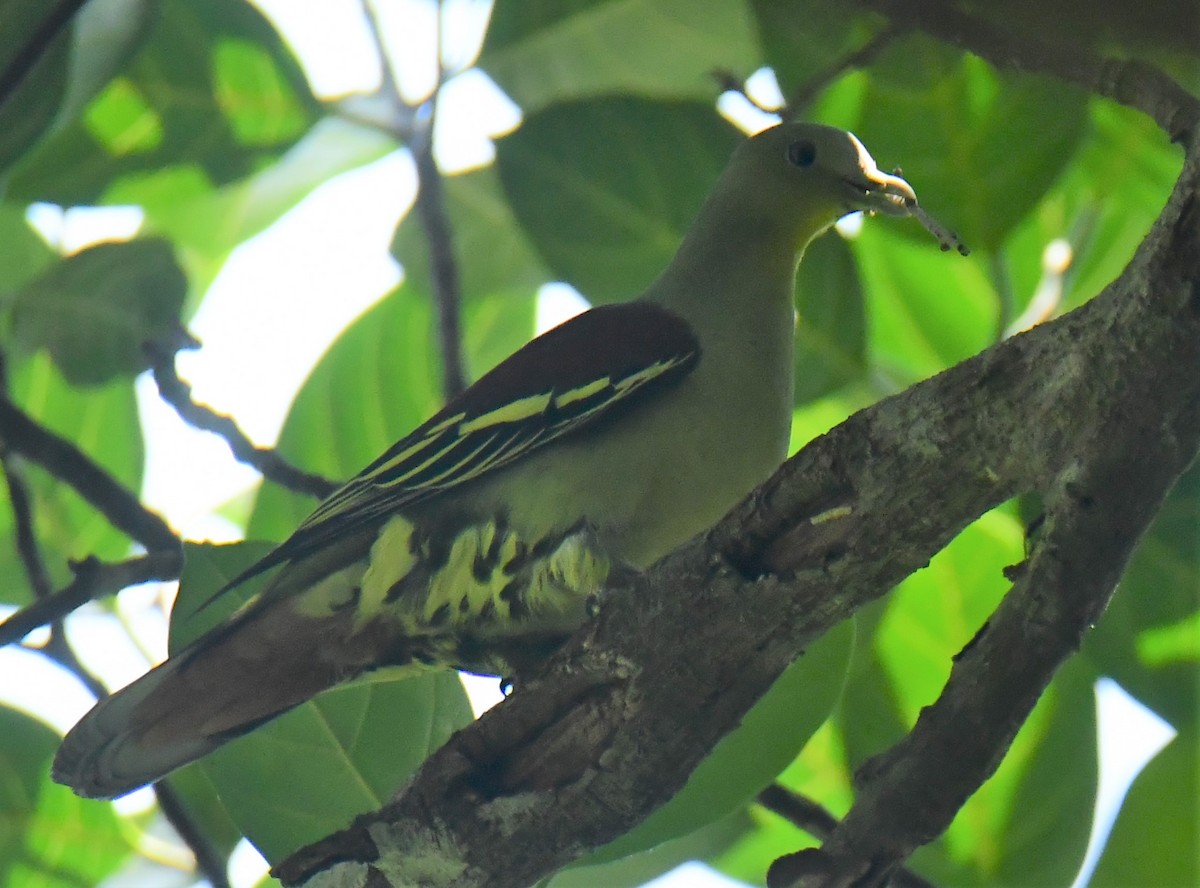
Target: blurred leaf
[(94, 311), (22, 253), (26, 747), (207, 222), (831, 330), (607, 213), (493, 253), (546, 51), (1050, 818), (1160, 593), (1154, 841), (638, 869), (213, 86), (377, 382), (70, 841), (770, 736), (496, 327), (310, 771), (926, 310), (980, 147), (33, 105), (103, 423)]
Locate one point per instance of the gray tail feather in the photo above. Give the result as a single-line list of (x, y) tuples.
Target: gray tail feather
[(264, 662)]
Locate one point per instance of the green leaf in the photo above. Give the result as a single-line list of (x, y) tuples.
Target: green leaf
[(606, 189), (546, 51), (26, 747), (1154, 841), (1050, 818), (768, 739), (103, 423), (22, 253), (928, 309), (310, 771), (94, 311), (213, 86), (493, 253), (70, 841), (377, 382), (1158, 600), (980, 148), (831, 330)]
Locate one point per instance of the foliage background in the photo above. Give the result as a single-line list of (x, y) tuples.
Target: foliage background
[(201, 115)]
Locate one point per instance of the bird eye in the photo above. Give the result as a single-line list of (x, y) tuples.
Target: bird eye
[(802, 153)]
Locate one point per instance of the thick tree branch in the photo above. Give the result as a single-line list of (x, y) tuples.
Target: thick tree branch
[(819, 823), (178, 393), (617, 720)]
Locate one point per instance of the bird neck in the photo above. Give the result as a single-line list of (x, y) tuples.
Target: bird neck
[(734, 273)]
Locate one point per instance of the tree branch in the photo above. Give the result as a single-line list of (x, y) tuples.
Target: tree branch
[(819, 823), (22, 434), (615, 722), (93, 579), (178, 393)]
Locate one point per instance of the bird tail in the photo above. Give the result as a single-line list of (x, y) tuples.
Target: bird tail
[(266, 660)]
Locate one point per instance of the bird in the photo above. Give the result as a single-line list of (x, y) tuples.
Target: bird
[(478, 541)]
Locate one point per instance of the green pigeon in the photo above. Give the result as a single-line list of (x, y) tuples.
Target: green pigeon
[(477, 541)]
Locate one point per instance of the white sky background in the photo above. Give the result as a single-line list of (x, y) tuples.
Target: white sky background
[(281, 300)]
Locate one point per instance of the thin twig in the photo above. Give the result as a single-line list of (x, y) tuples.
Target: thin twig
[(178, 393), (430, 207), (210, 862), (24, 435), (93, 579), (35, 48), (819, 823)]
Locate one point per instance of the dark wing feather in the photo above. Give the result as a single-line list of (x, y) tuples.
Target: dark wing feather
[(584, 371)]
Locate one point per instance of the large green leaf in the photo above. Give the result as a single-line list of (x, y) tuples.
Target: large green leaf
[(96, 310), (377, 382), (213, 86), (310, 771), (70, 841), (1155, 841), (1147, 637), (546, 51), (926, 310), (605, 189), (1050, 818), (26, 746)]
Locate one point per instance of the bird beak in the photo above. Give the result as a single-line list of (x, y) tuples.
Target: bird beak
[(873, 190), (876, 191)]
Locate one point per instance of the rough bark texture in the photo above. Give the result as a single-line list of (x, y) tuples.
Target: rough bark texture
[(1099, 411)]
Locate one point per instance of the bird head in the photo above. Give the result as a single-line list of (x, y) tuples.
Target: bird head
[(811, 175)]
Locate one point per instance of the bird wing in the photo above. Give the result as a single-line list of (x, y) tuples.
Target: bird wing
[(587, 370)]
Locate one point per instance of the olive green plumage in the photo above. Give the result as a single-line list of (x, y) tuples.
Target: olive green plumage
[(476, 541)]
